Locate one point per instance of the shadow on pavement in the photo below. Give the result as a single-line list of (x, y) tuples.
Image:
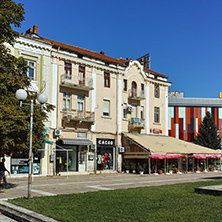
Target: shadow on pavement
[(2, 187), (213, 178)]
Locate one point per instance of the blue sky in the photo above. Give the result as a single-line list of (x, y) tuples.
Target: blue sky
[(183, 37)]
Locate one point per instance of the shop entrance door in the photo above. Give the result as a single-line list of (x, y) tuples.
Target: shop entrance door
[(82, 161)]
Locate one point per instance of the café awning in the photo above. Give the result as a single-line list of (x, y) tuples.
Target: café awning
[(167, 145)]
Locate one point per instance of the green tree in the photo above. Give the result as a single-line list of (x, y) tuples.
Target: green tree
[(14, 130), (208, 135)]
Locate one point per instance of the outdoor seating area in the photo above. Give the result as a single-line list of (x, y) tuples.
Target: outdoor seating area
[(173, 163)]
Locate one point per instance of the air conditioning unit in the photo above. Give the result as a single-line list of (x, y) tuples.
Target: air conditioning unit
[(58, 132)]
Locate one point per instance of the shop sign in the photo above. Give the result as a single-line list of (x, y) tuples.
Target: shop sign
[(82, 135), (105, 142), (157, 131), (19, 161)]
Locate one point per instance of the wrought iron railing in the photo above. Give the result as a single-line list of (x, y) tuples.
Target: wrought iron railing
[(76, 81)]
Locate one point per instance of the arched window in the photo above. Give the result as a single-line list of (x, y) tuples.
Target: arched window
[(134, 89)]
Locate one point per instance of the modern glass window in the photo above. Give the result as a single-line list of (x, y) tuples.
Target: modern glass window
[(106, 79), (31, 69), (81, 76), (68, 70), (67, 101), (80, 102), (156, 91), (124, 85), (156, 114), (106, 107)]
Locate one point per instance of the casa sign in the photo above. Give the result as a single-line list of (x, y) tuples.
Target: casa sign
[(105, 142)]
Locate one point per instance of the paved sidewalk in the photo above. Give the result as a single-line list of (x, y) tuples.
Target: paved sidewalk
[(49, 186)]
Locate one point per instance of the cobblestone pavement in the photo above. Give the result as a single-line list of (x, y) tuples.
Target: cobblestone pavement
[(48, 186)]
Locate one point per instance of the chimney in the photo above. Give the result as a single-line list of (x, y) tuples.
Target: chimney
[(35, 29), (102, 53), (29, 31)]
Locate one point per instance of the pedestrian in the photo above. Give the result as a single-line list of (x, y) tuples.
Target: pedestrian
[(2, 172)]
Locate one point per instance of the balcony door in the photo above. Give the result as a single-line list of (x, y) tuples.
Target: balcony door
[(134, 89), (133, 114), (81, 76)]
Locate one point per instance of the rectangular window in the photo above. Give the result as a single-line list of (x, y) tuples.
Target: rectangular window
[(66, 101), (81, 76), (106, 79), (156, 91), (142, 112), (31, 69), (142, 87), (156, 114), (124, 85), (68, 70), (80, 102), (124, 110), (106, 107)]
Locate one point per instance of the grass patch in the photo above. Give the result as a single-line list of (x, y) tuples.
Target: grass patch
[(176, 202)]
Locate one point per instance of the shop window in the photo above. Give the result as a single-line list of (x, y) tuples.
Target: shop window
[(156, 114), (66, 101), (68, 70), (104, 158), (106, 79), (156, 91), (124, 85), (106, 107), (31, 69)]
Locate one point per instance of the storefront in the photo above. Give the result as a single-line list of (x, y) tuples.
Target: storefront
[(72, 153), (20, 164), (105, 154)]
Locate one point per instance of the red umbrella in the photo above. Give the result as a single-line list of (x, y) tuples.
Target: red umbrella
[(156, 156)]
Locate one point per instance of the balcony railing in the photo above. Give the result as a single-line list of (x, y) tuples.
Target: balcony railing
[(136, 94), (76, 115), (137, 122), (77, 82)]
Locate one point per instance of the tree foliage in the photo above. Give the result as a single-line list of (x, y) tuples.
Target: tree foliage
[(15, 120), (208, 135)]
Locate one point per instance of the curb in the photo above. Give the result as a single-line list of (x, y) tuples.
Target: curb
[(22, 214)]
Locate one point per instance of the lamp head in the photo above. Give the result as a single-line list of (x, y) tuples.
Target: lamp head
[(42, 98), (21, 94)]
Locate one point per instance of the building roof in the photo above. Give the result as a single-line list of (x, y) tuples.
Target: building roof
[(97, 55), (203, 102)]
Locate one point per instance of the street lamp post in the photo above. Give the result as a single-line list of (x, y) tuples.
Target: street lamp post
[(21, 95)]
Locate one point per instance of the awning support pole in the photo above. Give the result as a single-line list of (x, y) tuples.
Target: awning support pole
[(165, 165), (149, 165)]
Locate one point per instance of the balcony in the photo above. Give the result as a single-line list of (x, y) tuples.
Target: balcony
[(136, 94), (136, 123), (76, 82), (78, 116)]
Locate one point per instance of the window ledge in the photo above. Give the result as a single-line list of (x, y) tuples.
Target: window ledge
[(124, 119), (156, 123), (106, 117)]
